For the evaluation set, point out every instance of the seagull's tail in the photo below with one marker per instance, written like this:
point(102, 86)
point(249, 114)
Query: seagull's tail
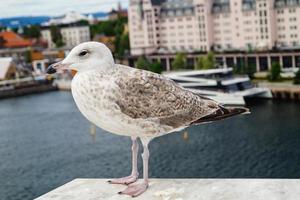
point(222, 113)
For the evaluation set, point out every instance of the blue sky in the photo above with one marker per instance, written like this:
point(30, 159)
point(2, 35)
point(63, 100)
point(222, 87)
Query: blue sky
point(11, 8)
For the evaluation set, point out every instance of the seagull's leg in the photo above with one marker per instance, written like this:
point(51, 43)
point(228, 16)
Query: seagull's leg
point(134, 174)
point(137, 189)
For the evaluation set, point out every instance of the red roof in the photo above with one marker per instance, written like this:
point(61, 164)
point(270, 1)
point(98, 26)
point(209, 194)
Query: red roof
point(13, 40)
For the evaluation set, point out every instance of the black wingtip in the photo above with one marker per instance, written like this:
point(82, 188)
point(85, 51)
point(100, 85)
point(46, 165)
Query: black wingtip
point(222, 113)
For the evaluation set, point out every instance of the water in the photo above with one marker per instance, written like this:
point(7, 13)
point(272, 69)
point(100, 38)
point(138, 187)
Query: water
point(45, 142)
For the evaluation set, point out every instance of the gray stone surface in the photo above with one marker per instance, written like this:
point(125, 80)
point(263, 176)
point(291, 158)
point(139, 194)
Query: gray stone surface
point(181, 189)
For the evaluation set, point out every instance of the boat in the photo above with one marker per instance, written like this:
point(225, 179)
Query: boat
point(220, 85)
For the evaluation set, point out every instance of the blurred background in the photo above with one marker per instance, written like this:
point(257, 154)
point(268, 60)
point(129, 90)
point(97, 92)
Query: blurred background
point(237, 52)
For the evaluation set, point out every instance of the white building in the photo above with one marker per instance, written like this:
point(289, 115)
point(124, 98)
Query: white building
point(8, 68)
point(71, 35)
point(158, 26)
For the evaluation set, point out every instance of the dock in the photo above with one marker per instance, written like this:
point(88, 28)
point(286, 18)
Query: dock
point(182, 189)
point(286, 91)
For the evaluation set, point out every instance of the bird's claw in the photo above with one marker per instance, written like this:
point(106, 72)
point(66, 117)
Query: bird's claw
point(135, 190)
point(125, 180)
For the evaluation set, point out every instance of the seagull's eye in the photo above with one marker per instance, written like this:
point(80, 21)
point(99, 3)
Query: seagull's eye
point(83, 53)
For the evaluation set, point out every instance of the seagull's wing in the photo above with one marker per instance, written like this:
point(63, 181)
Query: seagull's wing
point(152, 96)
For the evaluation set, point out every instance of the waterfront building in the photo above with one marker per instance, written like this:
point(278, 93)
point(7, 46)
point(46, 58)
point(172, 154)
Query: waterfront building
point(289, 60)
point(72, 35)
point(42, 59)
point(160, 28)
point(8, 68)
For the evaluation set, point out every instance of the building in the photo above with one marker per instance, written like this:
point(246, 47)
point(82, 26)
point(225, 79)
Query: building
point(72, 35)
point(41, 59)
point(8, 68)
point(9, 39)
point(166, 26)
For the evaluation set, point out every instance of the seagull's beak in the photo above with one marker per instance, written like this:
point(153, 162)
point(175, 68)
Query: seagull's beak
point(56, 67)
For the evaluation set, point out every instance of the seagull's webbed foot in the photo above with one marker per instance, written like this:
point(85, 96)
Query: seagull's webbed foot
point(135, 190)
point(125, 180)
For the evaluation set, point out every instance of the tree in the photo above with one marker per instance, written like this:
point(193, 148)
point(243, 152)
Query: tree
point(179, 62)
point(32, 31)
point(244, 68)
point(297, 77)
point(200, 62)
point(142, 63)
point(206, 62)
point(83, 22)
point(210, 61)
point(274, 73)
point(107, 28)
point(114, 28)
point(122, 40)
point(123, 45)
point(155, 67)
point(56, 36)
point(28, 56)
point(250, 70)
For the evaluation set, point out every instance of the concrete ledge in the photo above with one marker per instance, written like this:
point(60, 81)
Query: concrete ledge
point(182, 189)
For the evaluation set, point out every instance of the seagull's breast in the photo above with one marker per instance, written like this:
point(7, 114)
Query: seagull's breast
point(95, 95)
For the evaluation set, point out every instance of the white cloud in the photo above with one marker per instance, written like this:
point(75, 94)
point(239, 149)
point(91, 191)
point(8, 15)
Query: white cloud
point(11, 8)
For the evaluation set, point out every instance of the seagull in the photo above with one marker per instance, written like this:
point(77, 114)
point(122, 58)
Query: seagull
point(132, 102)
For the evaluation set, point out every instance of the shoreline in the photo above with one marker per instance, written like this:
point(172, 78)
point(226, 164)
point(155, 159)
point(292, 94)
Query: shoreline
point(27, 90)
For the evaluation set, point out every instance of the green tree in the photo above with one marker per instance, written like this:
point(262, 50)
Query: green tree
point(250, 70)
point(179, 62)
point(114, 28)
point(107, 28)
point(103, 27)
point(123, 45)
point(206, 62)
point(155, 67)
point(236, 69)
point(274, 73)
point(297, 77)
point(56, 36)
point(83, 22)
point(142, 63)
point(200, 62)
point(28, 56)
point(210, 61)
point(121, 39)
point(32, 31)
point(145, 64)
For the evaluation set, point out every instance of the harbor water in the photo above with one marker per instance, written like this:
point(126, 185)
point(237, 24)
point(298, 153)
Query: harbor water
point(45, 142)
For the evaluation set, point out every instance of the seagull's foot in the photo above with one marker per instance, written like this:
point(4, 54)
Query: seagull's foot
point(125, 180)
point(135, 190)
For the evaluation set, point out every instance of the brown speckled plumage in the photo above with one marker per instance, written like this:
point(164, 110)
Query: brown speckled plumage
point(146, 95)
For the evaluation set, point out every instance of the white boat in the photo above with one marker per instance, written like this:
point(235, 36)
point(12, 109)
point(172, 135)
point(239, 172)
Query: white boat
point(220, 85)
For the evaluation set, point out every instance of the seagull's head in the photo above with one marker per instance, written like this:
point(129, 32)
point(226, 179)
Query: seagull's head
point(85, 56)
